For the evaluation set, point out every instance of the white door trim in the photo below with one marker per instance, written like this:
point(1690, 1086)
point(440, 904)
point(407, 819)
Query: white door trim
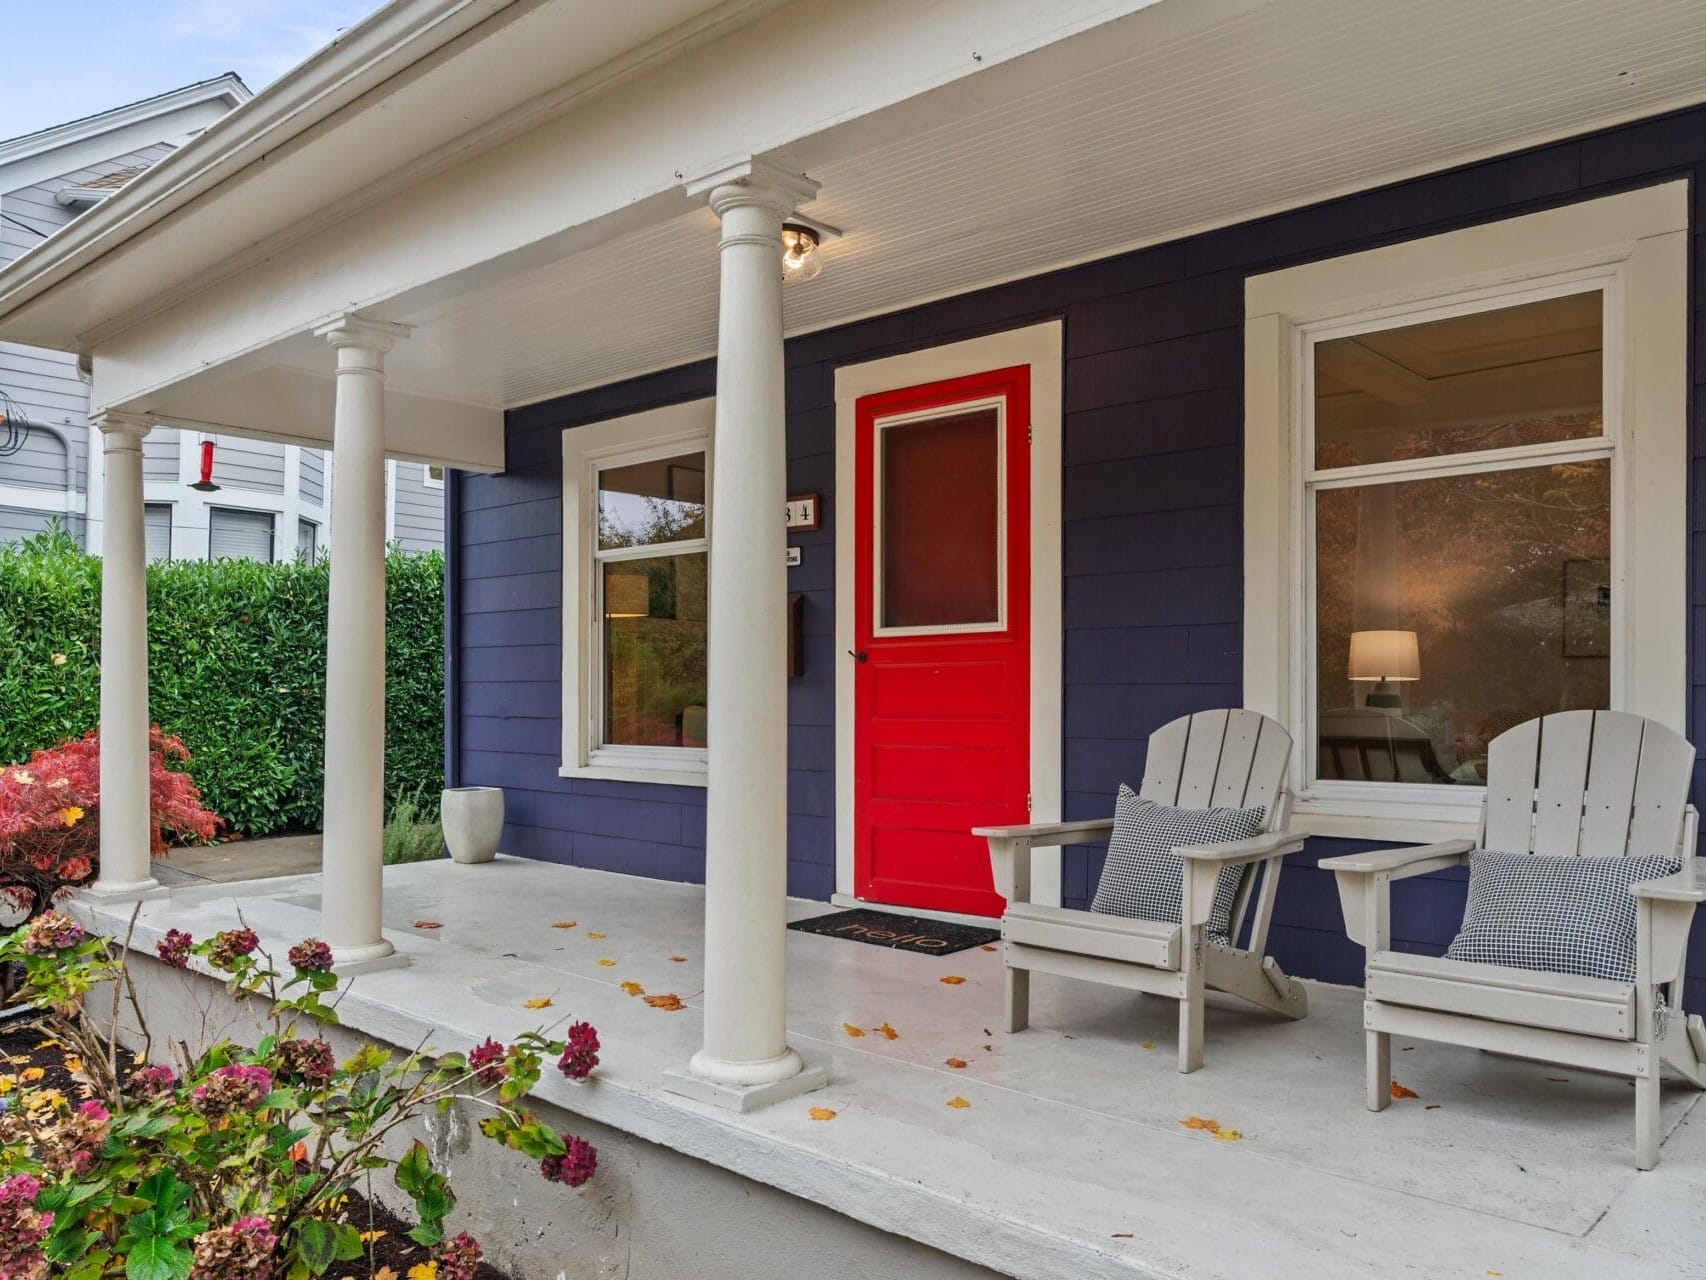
point(1040, 347)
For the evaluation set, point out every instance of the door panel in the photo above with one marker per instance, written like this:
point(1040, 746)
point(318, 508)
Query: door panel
point(942, 624)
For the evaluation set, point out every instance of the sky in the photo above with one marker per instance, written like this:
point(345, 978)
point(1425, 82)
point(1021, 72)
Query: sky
point(68, 58)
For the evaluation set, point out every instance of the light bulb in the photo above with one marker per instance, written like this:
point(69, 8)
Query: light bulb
point(801, 259)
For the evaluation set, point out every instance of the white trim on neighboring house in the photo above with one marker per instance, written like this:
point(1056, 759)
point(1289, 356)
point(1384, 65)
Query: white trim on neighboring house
point(584, 448)
point(1040, 347)
point(390, 501)
point(1633, 246)
point(430, 481)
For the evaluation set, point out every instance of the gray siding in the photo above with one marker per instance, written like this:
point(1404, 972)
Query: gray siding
point(420, 510)
point(16, 523)
point(33, 214)
point(313, 476)
point(256, 465)
point(48, 392)
point(160, 455)
point(44, 462)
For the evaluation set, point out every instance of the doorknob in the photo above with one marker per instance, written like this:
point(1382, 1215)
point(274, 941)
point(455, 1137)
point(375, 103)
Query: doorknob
point(859, 656)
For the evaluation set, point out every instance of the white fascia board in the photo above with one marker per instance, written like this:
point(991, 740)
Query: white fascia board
point(614, 166)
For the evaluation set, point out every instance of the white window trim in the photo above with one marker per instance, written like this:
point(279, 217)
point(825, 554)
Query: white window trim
point(1638, 243)
point(656, 432)
point(1040, 347)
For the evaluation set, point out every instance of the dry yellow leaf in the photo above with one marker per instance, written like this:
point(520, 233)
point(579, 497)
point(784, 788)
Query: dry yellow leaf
point(428, 924)
point(987, 947)
point(8, 1083)
point(886, 1030)
point(595, 935)
point(1149, 1044)
point(852, 1030)
point(950, 981)
point(1200, 1122)
point(384, 1273)
point(822, 1113)
point(1227, 1135)
point(563, 924)
point(678, 959)
point(670, 1002)
point(73, 1063)
point(606, 963)
point(1399, 1091)
point(958, 1104)
point(633, 988)
point(368, 1237)
point(29, 1075)
point(424, 1271)
point(958, 1064)
point(538, 1002)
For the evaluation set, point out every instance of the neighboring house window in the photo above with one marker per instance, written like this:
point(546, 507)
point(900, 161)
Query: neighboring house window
point(307, 540)
point(1459, 532)
point(239, 535)
point(636, 561)
point(432, 476)
point(157, 530)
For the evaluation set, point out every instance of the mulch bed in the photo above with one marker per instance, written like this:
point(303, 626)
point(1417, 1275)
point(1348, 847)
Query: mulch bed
point(24, 1046)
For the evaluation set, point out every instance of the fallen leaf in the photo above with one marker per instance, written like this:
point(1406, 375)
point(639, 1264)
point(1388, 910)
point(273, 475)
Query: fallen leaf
point(1432, 1106)
point(1227, 1135)
point(852, 1030)
point(606, 963)
point(670, 1002)
point(1148, 1044)
point(678, 959)
point(958, 1064)
point(886, 1030)
point(1399, 1091)
point(424, 1271)
point(384, 1273)
point(1495, 1274)
point(950, 981)
point(563, 924)
point(299, 1151)
point(73, 1063)
point(1121, 1235)
point(987, 947)
point(989, 1048)
point(633, 988)
point(596, 935)
point(428, 924)
point(1200, 1122)
point(958, 1104)
point(821, 1113)
point(8, 1083)
point(1555, 1080)
point(368, 1237)
point(29, 1075)
point(538, 1002)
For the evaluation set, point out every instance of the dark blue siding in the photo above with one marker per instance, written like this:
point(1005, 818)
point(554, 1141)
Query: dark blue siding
point(1152, 533)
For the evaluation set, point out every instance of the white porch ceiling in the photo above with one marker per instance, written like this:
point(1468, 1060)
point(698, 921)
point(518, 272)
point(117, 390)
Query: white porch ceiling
point(1185, 116)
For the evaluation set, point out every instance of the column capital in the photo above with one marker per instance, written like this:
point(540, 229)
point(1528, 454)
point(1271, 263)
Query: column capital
point(378, 336)
point(121, 430)
point(754, 181)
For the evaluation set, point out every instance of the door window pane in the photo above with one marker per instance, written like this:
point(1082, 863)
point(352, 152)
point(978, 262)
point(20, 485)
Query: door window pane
point(1520, 375)
point(941, 521)
point(645, 503)
point(1478, 601)
point(654, 651)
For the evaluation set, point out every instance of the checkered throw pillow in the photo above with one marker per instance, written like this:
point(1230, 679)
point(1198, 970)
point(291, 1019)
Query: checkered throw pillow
point(1144, 879)
point(1560, 915)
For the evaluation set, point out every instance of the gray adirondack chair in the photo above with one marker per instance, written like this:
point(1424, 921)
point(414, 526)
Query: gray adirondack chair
point(1233, 759)
point(1578, 783)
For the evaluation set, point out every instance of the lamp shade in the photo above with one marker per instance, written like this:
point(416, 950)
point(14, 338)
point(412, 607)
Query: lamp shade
point(1385, 655)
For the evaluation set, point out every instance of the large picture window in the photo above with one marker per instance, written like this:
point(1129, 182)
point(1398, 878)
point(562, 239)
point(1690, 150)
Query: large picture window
point(636, 567)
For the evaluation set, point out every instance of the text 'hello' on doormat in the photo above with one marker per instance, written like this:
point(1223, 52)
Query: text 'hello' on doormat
point(901, 933)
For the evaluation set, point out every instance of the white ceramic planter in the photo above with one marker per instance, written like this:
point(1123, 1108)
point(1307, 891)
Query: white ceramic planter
point(473, 820)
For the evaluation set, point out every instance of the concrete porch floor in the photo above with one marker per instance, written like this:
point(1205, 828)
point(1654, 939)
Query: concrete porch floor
point(1070, 1160)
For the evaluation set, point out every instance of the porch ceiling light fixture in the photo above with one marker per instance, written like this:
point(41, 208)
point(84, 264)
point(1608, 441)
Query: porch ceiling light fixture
point(1387, 658)
point(801, 256)
point(205, 484)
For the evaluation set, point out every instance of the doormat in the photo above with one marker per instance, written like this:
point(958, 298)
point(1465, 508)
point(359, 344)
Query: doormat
point(900, 933)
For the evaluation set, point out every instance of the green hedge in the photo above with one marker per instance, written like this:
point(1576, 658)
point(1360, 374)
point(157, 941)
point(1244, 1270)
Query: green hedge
point(236, 667)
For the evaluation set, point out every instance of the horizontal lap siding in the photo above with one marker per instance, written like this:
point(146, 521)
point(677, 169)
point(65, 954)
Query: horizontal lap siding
point(1152, 529)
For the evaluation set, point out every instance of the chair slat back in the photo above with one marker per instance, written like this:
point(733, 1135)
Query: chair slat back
point(1235, 759)
point(1588, 783)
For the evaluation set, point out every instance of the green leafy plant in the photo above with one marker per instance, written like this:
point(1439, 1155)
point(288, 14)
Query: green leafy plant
point(237, 1162)
point(236, 669)
point(410, 837)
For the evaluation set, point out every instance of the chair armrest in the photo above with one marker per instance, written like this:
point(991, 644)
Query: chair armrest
point(1049, 834)
point(1415, 860)
point(1233, 852)
point(1684, 886)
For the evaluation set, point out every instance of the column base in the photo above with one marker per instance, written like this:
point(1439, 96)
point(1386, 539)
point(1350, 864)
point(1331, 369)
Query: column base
point(104, 892)
point(697, 1082)
point(371, 957)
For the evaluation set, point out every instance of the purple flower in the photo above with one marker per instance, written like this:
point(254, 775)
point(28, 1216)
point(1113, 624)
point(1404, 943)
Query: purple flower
point(311, 956)
point(237, 1252)
point(174, 948)
point(486, 1061)
point(231, 946)
point(153, 1082)
point(577, 1163)
point(459, 1258)
point(22, 1229)
point(51, 932)
point(308, 1062)
point(232, 1089)
point(580, 1052)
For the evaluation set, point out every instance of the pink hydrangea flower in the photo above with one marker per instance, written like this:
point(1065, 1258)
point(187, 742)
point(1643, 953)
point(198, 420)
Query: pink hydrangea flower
point(174, 948)
point(459, 1258)
point(153, 1082)
point(50, 932)
point(575, 1166)
point(308, 1062)
point(580, 1052)
point(231, 946)
point(311, 956)
point(237, 1252)
point(232, 1089)
point(486, 1061)
point(23, 1227)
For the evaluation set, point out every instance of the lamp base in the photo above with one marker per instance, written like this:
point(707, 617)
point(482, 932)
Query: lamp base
point(1384, 694)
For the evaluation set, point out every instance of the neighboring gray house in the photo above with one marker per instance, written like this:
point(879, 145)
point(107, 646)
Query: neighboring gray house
point(273, 500)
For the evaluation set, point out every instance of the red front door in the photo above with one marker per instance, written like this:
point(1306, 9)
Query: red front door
point(941, 636)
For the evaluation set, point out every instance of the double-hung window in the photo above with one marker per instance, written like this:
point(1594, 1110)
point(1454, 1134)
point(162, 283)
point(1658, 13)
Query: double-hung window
point(637, 562)
point(1466, 503)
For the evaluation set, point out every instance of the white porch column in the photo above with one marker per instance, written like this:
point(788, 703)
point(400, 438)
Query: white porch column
point(125, 813)
point(746, 1061)
point(351, 864)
